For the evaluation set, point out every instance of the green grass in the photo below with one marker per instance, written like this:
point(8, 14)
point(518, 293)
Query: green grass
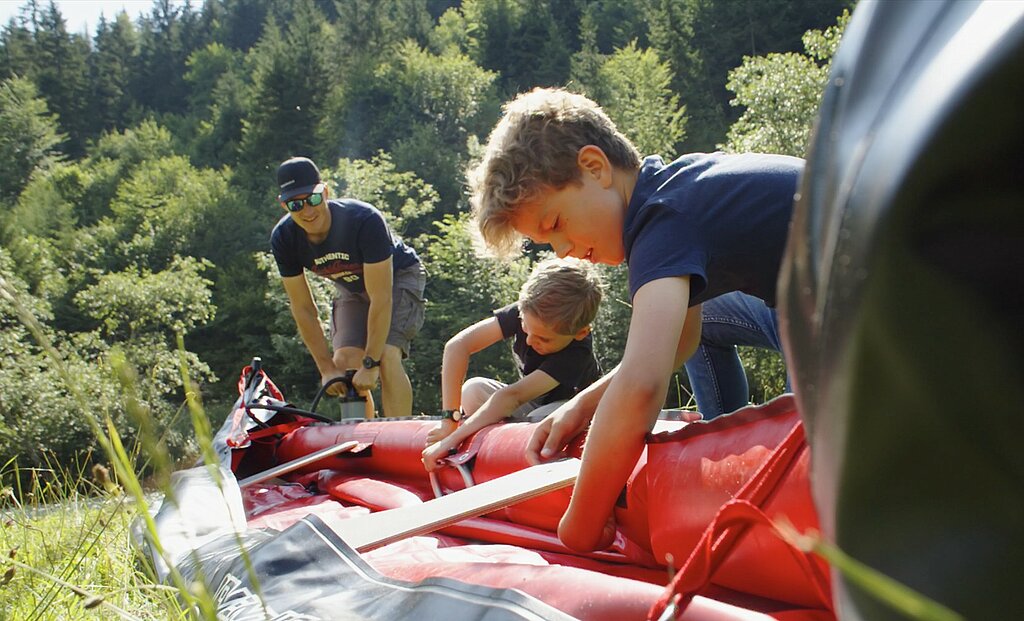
point(64, 558)
point(67, 555)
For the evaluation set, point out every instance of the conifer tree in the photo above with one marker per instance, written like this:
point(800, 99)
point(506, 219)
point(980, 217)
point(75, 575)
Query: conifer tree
point(111, 71)
point(61, 75)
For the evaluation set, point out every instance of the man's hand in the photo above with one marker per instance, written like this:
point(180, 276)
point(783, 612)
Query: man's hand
point(336, 389)
point(443, 429)
point(553, 433)
point(365, 380)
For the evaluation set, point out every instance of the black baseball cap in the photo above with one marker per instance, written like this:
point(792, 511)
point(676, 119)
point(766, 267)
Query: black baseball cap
point(298, 176)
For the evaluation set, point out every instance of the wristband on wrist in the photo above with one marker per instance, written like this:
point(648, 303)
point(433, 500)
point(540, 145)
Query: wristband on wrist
point(452, 415)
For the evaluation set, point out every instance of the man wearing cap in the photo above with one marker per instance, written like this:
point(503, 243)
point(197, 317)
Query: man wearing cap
point(378, 305)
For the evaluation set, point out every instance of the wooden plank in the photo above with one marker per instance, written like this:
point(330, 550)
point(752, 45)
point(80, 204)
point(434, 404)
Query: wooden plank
point(295, 464)
point(367, 532)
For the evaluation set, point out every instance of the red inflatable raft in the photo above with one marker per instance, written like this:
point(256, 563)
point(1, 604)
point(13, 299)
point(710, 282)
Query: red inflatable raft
point(695, 536)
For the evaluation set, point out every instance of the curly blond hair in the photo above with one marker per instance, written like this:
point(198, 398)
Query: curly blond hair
point(535, 146)
point(563, 293)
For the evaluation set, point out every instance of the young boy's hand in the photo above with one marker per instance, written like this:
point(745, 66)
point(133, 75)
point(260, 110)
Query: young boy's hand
point(433, 454)
point(553, 433)
point(571, 526)
point(441, 431)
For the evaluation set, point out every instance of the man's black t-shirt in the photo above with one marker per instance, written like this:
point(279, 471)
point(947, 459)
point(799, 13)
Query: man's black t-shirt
point(358, 235)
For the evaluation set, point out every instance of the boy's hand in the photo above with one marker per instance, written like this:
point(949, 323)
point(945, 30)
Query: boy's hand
point(433, 454)
point(572, 529)
point(443, 429)
point(553, 433)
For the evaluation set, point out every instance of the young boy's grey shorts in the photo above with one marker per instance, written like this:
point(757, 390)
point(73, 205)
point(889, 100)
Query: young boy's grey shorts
point(350, 310)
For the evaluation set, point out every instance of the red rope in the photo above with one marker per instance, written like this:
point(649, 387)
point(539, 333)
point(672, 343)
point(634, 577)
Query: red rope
point(734, 520)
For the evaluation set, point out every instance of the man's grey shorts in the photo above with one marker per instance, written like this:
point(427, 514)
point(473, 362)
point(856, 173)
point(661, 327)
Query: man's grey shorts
point(350, 310)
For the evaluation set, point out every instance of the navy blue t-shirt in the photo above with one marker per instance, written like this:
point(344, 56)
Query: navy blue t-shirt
point(720, 219)
point(358, 235)
point(574, 368)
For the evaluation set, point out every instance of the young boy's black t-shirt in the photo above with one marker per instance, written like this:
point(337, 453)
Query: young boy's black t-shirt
point(574, 368)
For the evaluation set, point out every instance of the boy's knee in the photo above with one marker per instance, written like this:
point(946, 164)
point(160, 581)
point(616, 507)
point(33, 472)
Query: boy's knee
point(475, 391)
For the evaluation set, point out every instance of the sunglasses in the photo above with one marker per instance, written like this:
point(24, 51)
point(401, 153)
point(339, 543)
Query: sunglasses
point(300, 203)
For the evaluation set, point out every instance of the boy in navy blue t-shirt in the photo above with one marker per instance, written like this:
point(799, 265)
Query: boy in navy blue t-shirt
point(379, 282)
point(706, 226)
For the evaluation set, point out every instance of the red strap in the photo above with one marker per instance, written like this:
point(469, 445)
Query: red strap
point(283, 428)
point(731, 523)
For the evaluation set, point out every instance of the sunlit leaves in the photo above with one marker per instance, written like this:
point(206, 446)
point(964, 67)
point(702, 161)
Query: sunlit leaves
point(28, 135)
point(640, 99)
point(781, 93)
point(133, 302)
point(402, 196)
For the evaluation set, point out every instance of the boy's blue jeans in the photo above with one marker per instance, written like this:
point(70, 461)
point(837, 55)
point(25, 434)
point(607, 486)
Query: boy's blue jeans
point(716, 374)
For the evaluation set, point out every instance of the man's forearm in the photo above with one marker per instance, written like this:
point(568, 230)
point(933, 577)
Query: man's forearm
point(378, 323)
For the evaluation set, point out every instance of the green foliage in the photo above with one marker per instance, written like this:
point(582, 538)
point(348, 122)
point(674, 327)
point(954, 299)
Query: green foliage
point(403, 197)
point(135, 302)
point(61, 73)
point(29, 138)
point(421, 108)
point(704, 39)
point(525, 42)
point(780, 93)
point(166, 38)
point(373, 28)
point(290, 81)
point(640, 101)
point(217, 104)
point(451, 34)
point(175, 122)
point(111, 73)
point(166, 207)
point(41, 417)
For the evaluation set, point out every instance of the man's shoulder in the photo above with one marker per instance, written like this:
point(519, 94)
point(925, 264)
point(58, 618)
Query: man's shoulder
point(352, 207)
point(284, 231)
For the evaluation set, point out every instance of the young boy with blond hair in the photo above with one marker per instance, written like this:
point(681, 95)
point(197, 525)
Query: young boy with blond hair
point(557, 171)
point(553, 349)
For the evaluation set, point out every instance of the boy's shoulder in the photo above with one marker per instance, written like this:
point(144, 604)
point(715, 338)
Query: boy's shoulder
point(509, 319)
point(705, 176)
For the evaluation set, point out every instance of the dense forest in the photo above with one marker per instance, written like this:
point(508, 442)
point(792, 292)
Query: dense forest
point(137, 174)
